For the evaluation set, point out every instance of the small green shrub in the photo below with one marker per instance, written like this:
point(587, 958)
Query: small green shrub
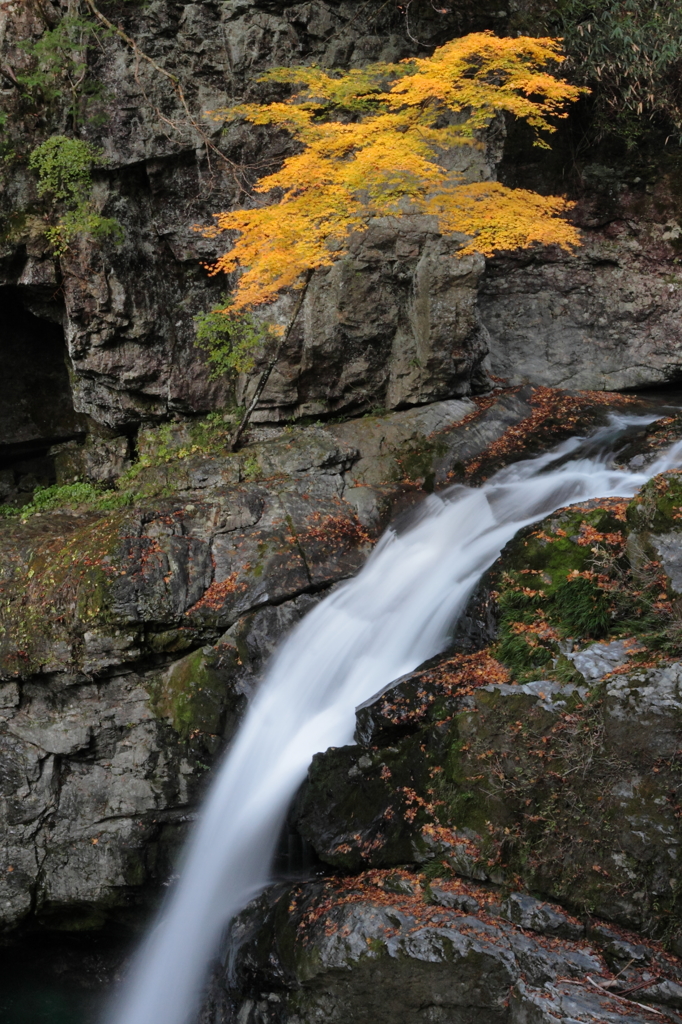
point(64, 167)
point(77, 495)
point(630, 53)
point(230, 339)
point(251, 467)
point(59, 76)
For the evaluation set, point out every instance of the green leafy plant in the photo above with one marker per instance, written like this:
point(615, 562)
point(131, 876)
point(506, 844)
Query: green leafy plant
point(630, 53)
point(230, 338)
point(77, 495)
point(251, 468)
point(64, 168)
point(59, 75)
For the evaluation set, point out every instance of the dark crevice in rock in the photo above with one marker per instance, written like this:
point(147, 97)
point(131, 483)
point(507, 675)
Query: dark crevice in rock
point(36, 404)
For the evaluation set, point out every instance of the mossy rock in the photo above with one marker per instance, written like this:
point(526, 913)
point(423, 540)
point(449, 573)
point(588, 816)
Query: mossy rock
point(362, 809)
point(55, 584)
point(657, 507)
point(586, 573)
point(196, 694)
point(574, 808)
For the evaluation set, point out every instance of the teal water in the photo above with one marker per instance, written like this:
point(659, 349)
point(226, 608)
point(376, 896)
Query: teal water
point(40, 1003)
point(57, 979)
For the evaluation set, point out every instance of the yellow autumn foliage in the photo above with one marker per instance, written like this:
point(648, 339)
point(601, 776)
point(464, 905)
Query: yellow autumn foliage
point(374, 142)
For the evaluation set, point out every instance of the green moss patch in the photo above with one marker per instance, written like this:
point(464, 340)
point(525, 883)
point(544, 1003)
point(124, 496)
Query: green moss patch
point(416, 461)
point(51, 586)
point(572, 579)
point(658, 506)
point(198, 697)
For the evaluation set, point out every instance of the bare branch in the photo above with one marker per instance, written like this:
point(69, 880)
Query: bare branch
point(175, 83)
point(271, 365)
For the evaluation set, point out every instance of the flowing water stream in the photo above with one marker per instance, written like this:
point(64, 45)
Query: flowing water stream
point(397, 612)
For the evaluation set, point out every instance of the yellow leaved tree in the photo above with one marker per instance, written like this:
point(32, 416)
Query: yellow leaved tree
point(374, 142)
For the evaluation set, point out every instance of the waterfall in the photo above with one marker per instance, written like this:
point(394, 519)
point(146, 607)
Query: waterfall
point(397, 612)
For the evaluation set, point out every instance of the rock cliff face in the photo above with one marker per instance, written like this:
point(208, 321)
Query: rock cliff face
point(131, 639)
point(540, 756)
point(393, 325)
point(608, 316)
point(396, 324)
point(545, 763)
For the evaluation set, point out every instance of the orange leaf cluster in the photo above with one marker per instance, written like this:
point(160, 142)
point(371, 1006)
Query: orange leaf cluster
point(336, 531)
point(460, 674)
point(553, 411)
point(589, 536)
point(216, 595)
point(376, 142)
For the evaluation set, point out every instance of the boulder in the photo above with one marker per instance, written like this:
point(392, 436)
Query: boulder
point(548, 757)
point(354, 949)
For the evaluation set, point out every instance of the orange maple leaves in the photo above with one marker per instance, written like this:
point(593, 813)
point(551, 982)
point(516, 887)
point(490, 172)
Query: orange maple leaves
point(376, 142)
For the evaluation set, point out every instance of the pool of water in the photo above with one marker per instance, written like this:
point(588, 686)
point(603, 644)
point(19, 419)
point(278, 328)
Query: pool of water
point(39, 1003)
point(58, 979)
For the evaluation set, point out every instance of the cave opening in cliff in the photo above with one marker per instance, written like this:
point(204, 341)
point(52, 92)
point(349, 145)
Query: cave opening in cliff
point(36, 404)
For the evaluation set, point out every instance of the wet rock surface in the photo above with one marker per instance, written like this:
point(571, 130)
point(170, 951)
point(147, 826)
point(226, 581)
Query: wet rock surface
point(107, 724)
point(545, 763)
point(132, 639)
point(393, 945)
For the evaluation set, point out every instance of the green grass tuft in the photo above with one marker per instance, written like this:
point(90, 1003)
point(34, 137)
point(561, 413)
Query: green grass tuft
point(85, 496)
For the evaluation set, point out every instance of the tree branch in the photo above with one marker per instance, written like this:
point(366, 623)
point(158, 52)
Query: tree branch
point(173, 79)
point(9, 76)
point(129, 41)
point(271, 365)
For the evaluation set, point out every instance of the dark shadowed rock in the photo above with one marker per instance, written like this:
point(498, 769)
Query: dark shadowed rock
point(353, 950)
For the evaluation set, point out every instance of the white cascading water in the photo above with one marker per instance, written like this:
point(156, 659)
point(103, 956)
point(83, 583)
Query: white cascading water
point(396, 613)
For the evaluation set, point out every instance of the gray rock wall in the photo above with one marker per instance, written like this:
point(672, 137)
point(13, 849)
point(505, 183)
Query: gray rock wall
point(393, 325)
point(607, 318)
point(130, 642)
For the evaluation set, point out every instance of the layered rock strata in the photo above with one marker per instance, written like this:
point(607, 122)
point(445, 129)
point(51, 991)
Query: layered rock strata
point(387, 945)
